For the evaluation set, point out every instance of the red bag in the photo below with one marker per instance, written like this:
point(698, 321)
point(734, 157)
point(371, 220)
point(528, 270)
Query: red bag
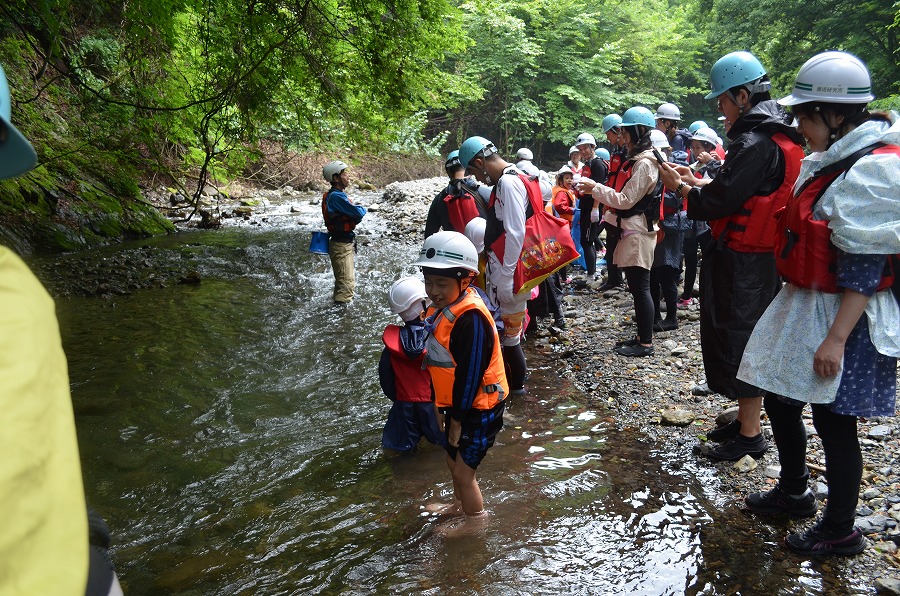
point(548, 244)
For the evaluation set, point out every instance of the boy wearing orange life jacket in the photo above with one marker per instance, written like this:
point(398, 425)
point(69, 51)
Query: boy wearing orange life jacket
point(464, 360)
point(401, 374)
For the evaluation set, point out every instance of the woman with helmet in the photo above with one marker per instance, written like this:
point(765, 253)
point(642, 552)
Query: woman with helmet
point(341, 217)
point(738, 278)
point(464, 361)
point(634, 203)
point(503, 239)
point(830, 337)
point(612, 128)
point(401, 373)
point(458, 203)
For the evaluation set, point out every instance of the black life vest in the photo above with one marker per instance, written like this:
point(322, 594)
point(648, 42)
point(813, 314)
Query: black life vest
point(648, 206)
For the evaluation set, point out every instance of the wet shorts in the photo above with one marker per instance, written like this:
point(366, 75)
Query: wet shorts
point(478, 432)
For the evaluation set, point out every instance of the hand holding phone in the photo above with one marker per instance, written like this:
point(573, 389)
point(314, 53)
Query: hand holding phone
point(658, 156)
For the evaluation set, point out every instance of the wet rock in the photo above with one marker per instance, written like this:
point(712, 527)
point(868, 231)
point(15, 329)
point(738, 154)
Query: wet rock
point(745, 464)
point(243, 211)
point(192, 278)
point(677, 417)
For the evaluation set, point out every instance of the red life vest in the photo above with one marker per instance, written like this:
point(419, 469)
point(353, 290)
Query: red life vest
point(412, 381)
point(495, 235)
point(648, 205)
point(336, 222)
point(804, 253)
point(461, 209)
point(752, 227)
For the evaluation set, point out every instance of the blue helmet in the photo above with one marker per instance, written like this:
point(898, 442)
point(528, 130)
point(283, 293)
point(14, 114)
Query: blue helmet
point(610, 122)
point(17, 156)
point(697, 125)
point(452, 160)
point(602, 153)
point(472, 147)
point(638, 115)
point(734, 69)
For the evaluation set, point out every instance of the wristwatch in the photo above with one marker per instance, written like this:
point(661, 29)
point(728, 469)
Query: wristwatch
point(680, 186)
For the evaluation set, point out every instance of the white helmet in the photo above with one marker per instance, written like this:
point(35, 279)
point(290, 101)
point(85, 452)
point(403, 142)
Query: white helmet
point(659, 139)
point(585, 138)
point(405, 297)
point(574, 149)
point(831, 77)
point(707, 135)
point(333, 167)
point(524, 153)
point(667, 111)
point(475, 232)
point(448, 250)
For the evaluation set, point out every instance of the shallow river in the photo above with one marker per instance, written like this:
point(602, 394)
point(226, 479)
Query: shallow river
point(230, 434)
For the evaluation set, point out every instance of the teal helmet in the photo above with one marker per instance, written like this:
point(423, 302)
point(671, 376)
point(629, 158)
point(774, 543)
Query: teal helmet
point(697, 125)
point(602, 154)
point(472, 147)
point(638, 116)
point(734, 69)
point(452, 161)
point(610, 122)
point(17, 156)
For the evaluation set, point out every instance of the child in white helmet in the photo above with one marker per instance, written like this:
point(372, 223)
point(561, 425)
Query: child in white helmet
point(401, 374)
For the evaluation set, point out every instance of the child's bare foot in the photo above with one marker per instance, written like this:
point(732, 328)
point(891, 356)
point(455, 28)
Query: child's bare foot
point(443, 508)
point(465, 525)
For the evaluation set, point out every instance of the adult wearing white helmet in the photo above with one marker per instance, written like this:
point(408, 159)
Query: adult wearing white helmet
point(829, 337)
point(738, 280)
point(667, 118)
point(45, 546)
point(525, 162)
point(597, 170)
point(504, 238)
point(457, 203)
point(341, 217)
point(574, 162)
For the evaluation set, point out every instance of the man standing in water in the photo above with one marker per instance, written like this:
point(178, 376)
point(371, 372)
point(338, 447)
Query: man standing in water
point(341, 218)
point(505, 232)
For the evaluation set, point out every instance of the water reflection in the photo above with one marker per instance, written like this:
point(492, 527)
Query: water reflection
point(230, 433)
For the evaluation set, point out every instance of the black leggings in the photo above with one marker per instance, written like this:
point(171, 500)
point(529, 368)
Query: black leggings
point(589, 233)
point(843, 459)
point(664, 279)
point(639, 286)
point(613, 233)
point(690, 260)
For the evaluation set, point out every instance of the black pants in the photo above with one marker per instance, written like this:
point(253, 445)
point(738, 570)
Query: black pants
point(843, 459)
point(690, 260)
point(664, 280)
point(639, 286)
point(612, 240)
point(589, 234)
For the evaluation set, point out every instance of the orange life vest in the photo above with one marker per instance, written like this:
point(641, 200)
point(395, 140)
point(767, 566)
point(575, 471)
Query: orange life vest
point(493, 387)
point(752, 227)
point(804, 254)
point(561, 195)
point(413, 383)
point(336, 222)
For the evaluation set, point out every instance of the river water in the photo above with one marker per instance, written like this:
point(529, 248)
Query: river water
point(230, 434)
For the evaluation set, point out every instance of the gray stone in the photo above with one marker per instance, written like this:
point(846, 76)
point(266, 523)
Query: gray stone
point(871, 494)
point(679, 351)
point(669, 345)
point(880, 432)
point(887, 585)
point(726, 416)
point(773, 471)
point(745, 464)
point(820, 490)
point(677, 417)
point(873, 524)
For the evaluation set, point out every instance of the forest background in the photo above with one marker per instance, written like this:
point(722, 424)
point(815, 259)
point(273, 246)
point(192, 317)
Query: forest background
point(122, 96)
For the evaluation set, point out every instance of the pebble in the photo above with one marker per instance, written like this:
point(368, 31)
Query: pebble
point(677, 417)
point(745, 464)
point(880, 432)
point(773, 471)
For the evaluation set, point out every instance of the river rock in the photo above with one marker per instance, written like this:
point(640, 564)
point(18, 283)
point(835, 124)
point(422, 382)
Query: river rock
point(745, 464)
point(726, 416)
point(677, 417)
point(880, 432)
point(872, 524)
point(887, 585)
point(773, 471)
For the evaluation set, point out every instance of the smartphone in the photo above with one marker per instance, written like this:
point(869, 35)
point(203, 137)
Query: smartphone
point(658, 156)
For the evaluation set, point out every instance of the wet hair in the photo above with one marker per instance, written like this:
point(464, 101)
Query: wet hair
point(854, 114)
point(640, 135)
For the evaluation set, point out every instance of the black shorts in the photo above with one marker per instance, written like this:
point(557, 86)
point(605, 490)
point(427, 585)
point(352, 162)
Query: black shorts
point(479, 430)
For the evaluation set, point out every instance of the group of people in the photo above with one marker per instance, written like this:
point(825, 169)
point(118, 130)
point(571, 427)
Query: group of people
point(799, 257)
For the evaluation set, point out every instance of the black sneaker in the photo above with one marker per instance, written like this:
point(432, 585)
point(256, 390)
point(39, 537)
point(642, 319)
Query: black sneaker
point(559, 323)
point(737, 448)
point(627, 342)
point(634, 350)
point(665, 325)
point(720, 434)
point(819, 541)
point(775, 501)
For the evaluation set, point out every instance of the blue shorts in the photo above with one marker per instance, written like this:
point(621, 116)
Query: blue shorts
point(479, 430)
point(407, 422)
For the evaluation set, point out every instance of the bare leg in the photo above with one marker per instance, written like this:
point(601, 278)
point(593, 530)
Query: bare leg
point(748, 414)
point(465, 486)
